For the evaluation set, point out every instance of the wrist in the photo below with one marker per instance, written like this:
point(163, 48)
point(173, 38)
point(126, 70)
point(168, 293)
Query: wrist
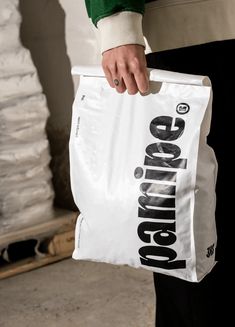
point(120, 29)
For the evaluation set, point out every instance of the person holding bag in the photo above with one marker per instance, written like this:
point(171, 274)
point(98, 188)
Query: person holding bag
point(194, 37)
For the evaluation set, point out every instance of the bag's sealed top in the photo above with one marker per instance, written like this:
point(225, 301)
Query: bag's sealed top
point(156, 75)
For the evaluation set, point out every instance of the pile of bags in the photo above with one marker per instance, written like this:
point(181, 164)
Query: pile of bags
point(26, 193)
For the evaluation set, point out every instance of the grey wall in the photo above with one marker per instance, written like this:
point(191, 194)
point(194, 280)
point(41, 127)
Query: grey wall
point(59, 35)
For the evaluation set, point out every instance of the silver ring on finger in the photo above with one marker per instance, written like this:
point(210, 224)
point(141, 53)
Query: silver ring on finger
point(116, 82)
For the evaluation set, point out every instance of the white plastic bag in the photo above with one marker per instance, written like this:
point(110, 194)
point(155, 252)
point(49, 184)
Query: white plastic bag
point(143, 175)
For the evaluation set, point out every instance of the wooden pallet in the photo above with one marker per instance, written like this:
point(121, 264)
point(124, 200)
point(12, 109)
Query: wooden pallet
point(56, 236)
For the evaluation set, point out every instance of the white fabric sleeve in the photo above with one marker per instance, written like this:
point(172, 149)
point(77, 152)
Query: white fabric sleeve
point(122, 28)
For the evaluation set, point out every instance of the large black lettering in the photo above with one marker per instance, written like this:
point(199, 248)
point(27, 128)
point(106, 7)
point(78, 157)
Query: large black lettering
point(161, 175)
point(156, 213)
point(158, 188)
point(156, 201)
point(164, 237)
point(163, 154)
point(164, 232)
point(148, 252)
point(161, 128)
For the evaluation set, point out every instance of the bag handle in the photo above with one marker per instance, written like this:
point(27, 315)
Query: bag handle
point(155, 75)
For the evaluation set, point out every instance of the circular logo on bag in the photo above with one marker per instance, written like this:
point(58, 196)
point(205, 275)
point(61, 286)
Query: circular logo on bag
point(182, 108)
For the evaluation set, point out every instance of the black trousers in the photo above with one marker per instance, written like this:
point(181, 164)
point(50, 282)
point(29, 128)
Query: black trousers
point(186, 304)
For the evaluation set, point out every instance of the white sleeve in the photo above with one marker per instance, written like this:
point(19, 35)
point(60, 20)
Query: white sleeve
point(122, 28)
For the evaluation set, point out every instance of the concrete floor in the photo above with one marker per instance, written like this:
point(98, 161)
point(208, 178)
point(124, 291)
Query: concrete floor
point(78, 294)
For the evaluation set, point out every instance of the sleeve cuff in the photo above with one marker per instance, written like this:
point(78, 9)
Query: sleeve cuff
point(120, 29)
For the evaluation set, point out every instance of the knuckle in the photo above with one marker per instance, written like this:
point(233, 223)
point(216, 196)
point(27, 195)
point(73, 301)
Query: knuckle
point(112, 67)
point(122, 66)
point(104, 65)
point(135, 65)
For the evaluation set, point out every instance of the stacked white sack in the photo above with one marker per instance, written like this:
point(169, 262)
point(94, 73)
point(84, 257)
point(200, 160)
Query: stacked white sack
point(26, 194)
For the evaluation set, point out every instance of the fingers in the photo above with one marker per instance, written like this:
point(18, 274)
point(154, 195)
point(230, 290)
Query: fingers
point(108, 76)
point(112, 74)
point(127, 65)
point(141, 75)
point(142, 81)
point(130, 83)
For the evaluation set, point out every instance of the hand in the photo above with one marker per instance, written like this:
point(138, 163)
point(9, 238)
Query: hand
point(125, 68)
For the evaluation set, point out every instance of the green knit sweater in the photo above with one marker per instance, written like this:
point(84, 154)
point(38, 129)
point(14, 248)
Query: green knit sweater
point(98, 9)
